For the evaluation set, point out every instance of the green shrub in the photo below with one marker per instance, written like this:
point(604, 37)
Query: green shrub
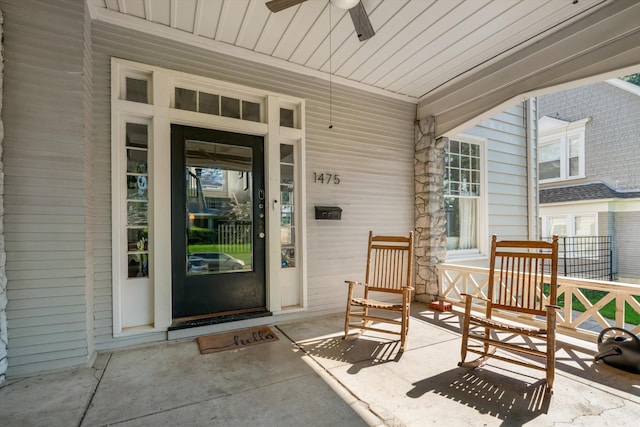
point(202, 235)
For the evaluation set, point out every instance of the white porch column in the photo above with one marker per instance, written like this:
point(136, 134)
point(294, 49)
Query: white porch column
point(430, 238)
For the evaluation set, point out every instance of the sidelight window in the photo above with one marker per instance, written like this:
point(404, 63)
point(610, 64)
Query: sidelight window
point(287, 207)
point(137, 200)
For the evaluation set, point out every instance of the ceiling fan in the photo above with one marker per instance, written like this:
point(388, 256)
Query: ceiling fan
point(361, 22)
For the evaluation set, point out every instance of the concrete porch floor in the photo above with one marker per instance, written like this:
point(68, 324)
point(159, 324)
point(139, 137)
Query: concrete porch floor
point(311, 377)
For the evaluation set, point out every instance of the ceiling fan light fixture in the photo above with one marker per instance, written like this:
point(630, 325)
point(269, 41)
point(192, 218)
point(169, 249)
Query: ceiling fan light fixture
point(344, 4)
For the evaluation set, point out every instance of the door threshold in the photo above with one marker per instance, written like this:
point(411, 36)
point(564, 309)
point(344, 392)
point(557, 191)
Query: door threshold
point(197, 321)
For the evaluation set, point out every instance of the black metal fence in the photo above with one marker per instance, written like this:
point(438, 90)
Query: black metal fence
point(586, 257)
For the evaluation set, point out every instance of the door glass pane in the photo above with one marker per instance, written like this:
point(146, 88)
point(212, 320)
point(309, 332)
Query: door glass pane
point(219, 208)
point(137, 187)
point(137, 213)
point(136, 160)
point(137, 135)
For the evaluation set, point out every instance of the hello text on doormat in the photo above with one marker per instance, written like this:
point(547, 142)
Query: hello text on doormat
point(236, 339)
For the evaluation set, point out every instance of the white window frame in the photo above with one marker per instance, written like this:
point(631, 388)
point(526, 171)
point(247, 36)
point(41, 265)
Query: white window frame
point(552, 130)
point(481, 200)
point(570, 221)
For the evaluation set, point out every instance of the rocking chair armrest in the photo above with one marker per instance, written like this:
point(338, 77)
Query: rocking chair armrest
point(408, 288)
point(556, 307)
point(352, 282)
point(476, 297)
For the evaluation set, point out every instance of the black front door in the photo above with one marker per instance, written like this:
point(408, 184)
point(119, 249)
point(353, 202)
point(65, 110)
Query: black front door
point(218, 224)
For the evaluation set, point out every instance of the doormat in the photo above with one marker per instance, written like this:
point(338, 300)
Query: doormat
point(235, 339)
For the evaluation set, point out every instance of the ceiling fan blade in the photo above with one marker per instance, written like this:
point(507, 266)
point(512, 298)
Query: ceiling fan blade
point(278, 5)
point(361, 22)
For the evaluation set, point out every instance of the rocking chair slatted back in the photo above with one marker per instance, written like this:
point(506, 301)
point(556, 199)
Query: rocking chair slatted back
point(519, 282)
point(389, 266)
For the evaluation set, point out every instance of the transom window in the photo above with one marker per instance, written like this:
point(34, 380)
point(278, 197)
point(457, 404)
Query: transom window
point(218, 105)
point(462, 190)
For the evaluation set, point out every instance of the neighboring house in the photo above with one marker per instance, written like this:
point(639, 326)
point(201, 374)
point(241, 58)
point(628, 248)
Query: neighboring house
point(135, 151)
point(589, 174)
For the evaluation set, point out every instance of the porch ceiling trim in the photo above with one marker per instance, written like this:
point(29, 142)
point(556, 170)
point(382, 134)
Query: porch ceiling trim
point(595, 44)
point(147, 27)
point(599, 46)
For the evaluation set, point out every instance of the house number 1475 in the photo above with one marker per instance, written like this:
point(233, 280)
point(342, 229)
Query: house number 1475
point(326, 178)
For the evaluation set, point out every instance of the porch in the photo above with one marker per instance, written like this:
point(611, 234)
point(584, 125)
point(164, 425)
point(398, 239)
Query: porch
point(310, 376)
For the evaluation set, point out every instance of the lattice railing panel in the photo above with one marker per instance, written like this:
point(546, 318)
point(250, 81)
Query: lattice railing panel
point(588, 305)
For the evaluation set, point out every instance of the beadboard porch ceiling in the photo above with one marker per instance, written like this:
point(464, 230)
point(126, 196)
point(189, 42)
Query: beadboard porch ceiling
point(455, 59)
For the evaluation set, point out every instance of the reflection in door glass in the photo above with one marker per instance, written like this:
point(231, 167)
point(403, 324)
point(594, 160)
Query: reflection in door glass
point(137, 147)
point(287, 207)
point(219, 208)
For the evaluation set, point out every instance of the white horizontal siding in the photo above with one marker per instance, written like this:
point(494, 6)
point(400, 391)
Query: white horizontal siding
point(627, 242)
point(45, 198)
point(507, 160)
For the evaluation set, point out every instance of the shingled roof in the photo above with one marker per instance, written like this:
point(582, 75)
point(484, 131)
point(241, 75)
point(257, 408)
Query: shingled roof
point(594, 191)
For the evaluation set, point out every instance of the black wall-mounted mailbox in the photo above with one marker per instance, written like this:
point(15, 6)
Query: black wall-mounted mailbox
point(328, 212)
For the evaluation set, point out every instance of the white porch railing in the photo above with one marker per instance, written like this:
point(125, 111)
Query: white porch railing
point(235, 237)
point(453, 280)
